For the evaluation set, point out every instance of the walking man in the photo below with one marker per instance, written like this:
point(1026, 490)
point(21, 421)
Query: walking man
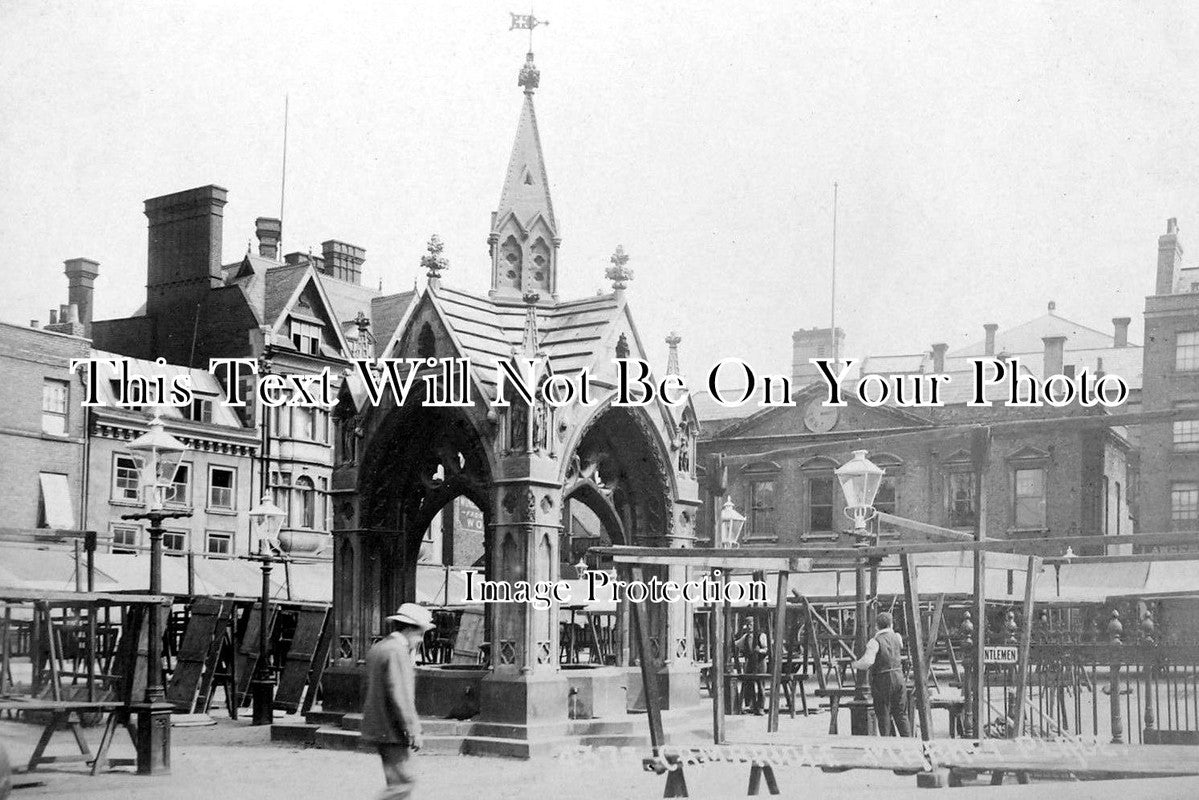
point(887, 684)
point(389, 717)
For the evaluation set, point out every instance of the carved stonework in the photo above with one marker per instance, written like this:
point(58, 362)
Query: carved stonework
point(619, 273)
point(507, 652)
point(543, 652)
point(680, 648)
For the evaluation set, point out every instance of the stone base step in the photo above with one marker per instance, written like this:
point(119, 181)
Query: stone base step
point(331, 738)
point(324, 717)
point(302, 733)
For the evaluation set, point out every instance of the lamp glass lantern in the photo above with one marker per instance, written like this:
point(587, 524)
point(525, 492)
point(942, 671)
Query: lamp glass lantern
point(731, 523)
point(860, 479)
point(158, 454)
point(267, 519)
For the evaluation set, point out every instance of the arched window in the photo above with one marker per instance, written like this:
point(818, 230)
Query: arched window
point(426, 344)
point(305, 506)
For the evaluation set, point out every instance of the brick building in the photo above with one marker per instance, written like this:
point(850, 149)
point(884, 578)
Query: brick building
point(1170, 451)
point(42, 430)
point(1041, 481)
point(299, 314)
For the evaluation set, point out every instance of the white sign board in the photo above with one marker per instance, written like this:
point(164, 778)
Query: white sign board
point(1001, 655)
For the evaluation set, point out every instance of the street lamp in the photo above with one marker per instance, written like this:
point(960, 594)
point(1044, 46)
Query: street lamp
point(731, 523)
point(860, 479)
point(157, 454)
point(267, 519)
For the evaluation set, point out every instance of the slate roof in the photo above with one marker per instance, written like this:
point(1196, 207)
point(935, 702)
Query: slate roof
point(386, 313)
point(485, 330)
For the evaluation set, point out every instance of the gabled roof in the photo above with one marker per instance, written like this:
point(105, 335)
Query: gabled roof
point(386, 314)
point(526, 191)
point(284, 285)
point(486, 330)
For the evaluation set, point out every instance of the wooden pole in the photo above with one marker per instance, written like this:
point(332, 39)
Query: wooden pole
point(779, 646)
point(1030, 582)
point(916, 643)
point(980, 446)
point(649, 676)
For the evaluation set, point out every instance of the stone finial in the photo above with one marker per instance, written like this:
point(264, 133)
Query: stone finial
point(434, 262)
point(1052, 306)
point(619, 273)
point(672, 358)
point(1115, 628)
point(530, 76)
point(529, 340)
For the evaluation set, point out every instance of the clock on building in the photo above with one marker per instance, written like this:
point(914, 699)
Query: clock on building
point(819, 418)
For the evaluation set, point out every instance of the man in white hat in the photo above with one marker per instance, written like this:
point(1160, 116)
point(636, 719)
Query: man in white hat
point(389, 717)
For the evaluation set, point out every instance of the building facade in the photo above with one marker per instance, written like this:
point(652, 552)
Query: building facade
point(1169, 496)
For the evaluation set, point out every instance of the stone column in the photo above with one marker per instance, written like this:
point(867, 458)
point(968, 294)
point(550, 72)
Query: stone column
point(526, 684)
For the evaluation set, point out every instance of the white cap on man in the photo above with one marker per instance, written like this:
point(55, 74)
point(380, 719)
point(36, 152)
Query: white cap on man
point(414, 614)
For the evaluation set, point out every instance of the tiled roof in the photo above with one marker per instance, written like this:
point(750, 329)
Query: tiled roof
point(386, 313)
point(486, 330)
point(281, 282)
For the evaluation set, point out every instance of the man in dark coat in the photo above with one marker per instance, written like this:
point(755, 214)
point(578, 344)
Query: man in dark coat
point(888, 689)
point(389, 717)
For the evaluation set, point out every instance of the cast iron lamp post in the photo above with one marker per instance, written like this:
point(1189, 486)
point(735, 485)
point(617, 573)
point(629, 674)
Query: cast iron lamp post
point(267, 519)
point(158, 455)
point(860, 479)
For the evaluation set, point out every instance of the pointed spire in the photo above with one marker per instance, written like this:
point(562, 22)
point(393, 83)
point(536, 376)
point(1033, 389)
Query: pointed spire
point(672, 358)
point(434, 262)
point(619, 273)
point(524, 232)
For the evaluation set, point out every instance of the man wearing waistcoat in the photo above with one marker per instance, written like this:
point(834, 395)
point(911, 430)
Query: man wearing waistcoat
point(883, 657)
point(389, 717)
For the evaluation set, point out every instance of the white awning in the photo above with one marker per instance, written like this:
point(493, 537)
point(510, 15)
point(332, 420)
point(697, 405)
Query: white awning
point(57, 511)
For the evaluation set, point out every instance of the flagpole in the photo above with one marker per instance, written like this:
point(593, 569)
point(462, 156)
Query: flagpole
point(833, 294)
point(282, 181)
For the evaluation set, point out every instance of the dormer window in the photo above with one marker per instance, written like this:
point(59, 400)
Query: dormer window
point(306, 337)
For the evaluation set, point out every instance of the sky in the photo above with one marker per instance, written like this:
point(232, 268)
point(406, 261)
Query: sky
point(989, 157)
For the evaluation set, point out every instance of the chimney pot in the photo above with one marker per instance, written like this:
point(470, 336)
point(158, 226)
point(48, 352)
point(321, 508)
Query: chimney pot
point(81, 278)
point(53, 316)
point(269, 231)
point(939, 357)
point(35, 323)
point(1120, 325)
point(1055, 352)
point(343, 261)
point(989, 347)
point(1169, 258)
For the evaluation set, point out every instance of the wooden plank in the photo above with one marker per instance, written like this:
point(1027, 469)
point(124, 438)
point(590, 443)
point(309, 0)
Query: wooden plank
point(1030, 583)
point(206, 625)
point(247, 653)
point(923, 527)
point(916, 643)
point(721, 561)
point(310, 624)
point(776, 660)
point(934, 628)
point(649, 672)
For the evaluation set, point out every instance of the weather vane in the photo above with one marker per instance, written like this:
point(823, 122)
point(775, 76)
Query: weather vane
point(526, 22)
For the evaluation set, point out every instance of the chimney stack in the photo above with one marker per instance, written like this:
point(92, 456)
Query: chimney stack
point(809, 343)
point(939, 358)
point(989, 346)
point(1121, 330)
point(81, 277)
point(343, 261)
point(269, 232)
point(1169, 258)
point(184, 255)
point(1055, 353)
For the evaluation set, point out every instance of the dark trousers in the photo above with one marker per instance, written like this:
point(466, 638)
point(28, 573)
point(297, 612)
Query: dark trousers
point(889, 693)
point(395, 771)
